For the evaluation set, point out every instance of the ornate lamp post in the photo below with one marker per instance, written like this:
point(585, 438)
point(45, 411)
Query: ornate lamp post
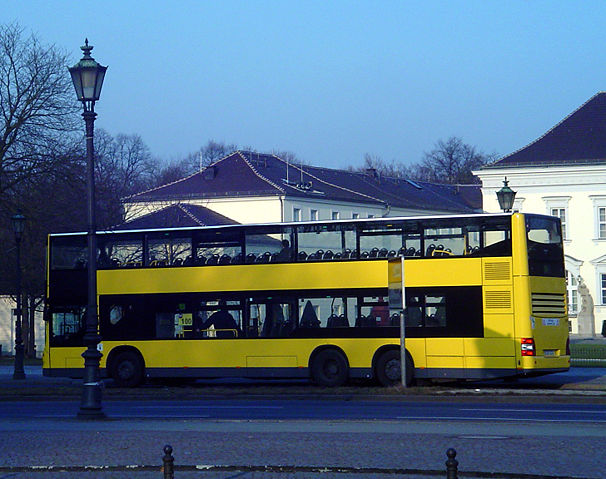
point(18, 222)
point(506, 196)
point(87, 76)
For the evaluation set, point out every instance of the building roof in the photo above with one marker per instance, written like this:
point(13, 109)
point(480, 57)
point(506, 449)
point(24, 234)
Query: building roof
point(175, 216)
point(580, 138)
point(250, 174)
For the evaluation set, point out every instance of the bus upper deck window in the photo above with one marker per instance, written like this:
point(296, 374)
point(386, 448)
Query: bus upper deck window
point(68, 252)
point(120, 252)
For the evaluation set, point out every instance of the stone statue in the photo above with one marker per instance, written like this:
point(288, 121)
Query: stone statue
point(586, 317)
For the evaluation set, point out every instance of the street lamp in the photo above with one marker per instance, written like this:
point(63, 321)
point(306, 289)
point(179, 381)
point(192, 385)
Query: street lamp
point(18, 222)
point(506, 196)
point(87, 76)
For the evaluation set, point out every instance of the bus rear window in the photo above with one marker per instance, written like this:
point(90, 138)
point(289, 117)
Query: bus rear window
point(69, 252)
point(545, 251)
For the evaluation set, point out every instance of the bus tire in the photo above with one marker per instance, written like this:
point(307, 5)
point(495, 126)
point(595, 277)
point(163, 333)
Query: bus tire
point(329, 368)
point(127, 369)
point(388, 369)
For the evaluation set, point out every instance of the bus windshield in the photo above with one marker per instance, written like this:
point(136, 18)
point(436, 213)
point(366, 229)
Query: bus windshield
point(545, 252)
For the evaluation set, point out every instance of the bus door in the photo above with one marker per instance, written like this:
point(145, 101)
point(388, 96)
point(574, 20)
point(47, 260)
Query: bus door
point(272, 318)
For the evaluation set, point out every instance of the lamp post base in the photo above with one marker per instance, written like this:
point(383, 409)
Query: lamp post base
point(90, 407)
point(19, 372)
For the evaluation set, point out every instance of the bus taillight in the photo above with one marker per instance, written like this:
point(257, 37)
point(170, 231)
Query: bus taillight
point(528, 347)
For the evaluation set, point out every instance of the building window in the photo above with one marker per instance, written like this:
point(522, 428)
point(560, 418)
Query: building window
point(603, 287)
point(335, 215)
point(561, 213)
point(599, 216)
point(313, 215)
point(602, 222)
point(558, 206)
point(573, 298)
point(355, 216)
point(296, 214)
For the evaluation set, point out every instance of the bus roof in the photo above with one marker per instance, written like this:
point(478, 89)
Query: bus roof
point(380, 220)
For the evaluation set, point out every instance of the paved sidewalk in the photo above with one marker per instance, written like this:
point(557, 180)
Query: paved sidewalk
point(577, 381)
point(231, 474)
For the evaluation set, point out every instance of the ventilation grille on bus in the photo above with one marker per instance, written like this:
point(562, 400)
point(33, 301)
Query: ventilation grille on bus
point(497, 271)
point(498, 299)
point(548, 303)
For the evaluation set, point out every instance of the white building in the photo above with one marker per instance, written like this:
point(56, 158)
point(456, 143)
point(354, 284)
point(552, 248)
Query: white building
point(251, 187)
point(563, 173)
point(7, 328)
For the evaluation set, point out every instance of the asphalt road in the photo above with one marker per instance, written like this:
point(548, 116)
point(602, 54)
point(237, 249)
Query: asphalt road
point(537, 449)
point(553, 429)
point(320, 410)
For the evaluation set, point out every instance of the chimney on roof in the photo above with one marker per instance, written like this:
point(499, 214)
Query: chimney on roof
point(372, 172)
point(210, 172)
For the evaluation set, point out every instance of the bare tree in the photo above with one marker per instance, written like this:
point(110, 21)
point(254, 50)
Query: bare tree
point(170, 172)
point(37, 105)
point(52, 202)
point(207, 154)
point(289, 157)
point(392, 169)
point(37, 125)
point(450, 161)
point(124, 166)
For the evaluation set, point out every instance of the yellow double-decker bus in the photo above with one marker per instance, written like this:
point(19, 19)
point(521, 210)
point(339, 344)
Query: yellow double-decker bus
point(485, 298)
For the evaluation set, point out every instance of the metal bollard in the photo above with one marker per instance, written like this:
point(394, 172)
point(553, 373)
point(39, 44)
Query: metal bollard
point(168, 463)
point(452, 464)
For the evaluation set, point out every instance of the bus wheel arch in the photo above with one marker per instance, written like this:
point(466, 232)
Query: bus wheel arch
point(329, 366)
point(386, 366)
point(126, 366)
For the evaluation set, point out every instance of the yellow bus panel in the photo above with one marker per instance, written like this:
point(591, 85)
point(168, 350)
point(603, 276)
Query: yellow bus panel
point(498, 326)
point(445, 362)
point(256, 277)
point(444, 346)
point(450, 272)
point(490, 346)
point(490, 362)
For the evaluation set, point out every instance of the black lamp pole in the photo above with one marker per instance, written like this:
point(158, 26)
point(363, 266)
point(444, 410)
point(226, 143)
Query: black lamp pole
point(18, 222)
point(87, 76)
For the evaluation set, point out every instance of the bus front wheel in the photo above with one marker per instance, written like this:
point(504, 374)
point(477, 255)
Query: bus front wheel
point(329, 368)
point(127, 370)
point(388, 368)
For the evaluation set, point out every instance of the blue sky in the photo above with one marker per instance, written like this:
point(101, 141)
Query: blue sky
point(331, 81)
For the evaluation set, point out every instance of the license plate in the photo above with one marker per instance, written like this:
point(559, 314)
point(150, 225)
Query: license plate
point(549, 352)
point(551, 321)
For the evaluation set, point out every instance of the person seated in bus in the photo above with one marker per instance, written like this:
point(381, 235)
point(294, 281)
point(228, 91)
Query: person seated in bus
point(309, 318)
point(285, 253)
point(103, 260)
point(380, 313)
point(222, 321)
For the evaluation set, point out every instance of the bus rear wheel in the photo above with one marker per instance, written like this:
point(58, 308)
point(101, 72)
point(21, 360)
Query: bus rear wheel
point(127, 370)
point(388, 369)
point(329, 368)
